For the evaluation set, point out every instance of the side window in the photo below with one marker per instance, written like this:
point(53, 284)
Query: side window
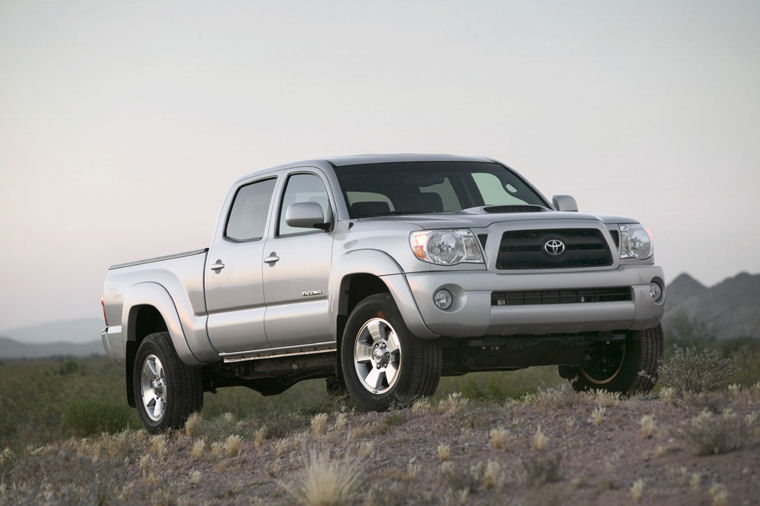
point(493, 192)
point(303, 188)
point(248, 216)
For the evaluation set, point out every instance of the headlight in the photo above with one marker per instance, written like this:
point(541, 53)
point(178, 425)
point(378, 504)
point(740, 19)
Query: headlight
point(635, 242)
point(446, 247)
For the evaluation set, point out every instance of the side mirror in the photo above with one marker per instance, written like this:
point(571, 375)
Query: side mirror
point(564, 203)
point(306, 215)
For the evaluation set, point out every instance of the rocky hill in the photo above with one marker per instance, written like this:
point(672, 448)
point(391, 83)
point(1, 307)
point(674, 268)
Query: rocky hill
point(726, 310)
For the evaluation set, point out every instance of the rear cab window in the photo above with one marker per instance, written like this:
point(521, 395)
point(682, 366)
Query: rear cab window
point(248, 214)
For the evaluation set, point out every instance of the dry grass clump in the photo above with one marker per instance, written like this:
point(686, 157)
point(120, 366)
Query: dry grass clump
point(604, 398)
point(444, 452)
point(498, 437)
point(232, 445)
point(158, 445)
point(259, 436)
point(647, 426)
point(198, 448)
point(597, 416)
point(453, 404)
point(193, 425)
point(366, 448)
point(492, 477)
point(195, 477)
point(636, 489)
point(340, 422)
point(487, 476)
point(280, 447)
point(707, 433)
point(719, 494)
point(561, 396)
point(318, 424)
point(666, 395)
point(539, 440)
point(325, 481)
point(541, 468)
point(693, 370)
point(421, 406)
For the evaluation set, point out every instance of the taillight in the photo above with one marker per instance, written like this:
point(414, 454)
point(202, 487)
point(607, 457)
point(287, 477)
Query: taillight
point(103, 303)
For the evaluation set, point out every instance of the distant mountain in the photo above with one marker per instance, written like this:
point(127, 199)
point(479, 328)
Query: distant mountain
point(10, 348)
point(728, 309)
point(82, 330)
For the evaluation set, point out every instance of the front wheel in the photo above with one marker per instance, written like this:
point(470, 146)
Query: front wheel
point(382, 362)
point(625, 367)
point(166, 390)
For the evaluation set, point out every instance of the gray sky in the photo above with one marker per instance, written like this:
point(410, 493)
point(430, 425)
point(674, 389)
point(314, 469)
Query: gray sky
point(122, 124)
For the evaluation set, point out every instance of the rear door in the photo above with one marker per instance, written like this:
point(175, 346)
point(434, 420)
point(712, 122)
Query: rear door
point(297, 266)
point(233, 277)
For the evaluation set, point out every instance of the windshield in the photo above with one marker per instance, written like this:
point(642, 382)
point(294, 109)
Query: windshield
point(430, 187)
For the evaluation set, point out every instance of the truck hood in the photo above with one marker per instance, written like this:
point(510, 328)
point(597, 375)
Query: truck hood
point(482, 217)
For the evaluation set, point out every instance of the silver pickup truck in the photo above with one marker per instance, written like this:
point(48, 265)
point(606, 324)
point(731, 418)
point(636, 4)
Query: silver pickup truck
point(381, 273)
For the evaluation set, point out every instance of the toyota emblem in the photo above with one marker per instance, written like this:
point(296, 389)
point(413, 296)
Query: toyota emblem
point(554, 247)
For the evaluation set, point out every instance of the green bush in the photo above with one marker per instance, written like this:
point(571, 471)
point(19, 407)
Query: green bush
point(696, 370)
point(89, 417)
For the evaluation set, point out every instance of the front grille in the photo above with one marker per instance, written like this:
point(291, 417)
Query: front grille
point(531, 297)
point(524, 249)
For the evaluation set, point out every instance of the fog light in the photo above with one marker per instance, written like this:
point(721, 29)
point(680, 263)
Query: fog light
point(655, 290)
point(443, 299)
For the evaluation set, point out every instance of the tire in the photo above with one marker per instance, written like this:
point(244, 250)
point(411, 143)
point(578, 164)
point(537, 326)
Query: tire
point(172, 390)
point(383, 364)
point(627, 367)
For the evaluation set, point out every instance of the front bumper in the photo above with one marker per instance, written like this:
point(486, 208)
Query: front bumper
point(473, 315)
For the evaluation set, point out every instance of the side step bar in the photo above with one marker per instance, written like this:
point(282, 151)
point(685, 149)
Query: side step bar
point(286, 351)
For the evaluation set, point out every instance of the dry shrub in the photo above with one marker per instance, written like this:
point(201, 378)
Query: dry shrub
point(707, 433)
point(91, 417)
point(693, 370)
point(325, 481)
point(541, 468)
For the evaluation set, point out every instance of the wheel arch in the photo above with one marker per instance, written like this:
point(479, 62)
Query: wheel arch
point(361, 273)
point(149, 308)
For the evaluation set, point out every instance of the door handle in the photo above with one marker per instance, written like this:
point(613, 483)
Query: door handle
point(272, 258)
point(218, 266)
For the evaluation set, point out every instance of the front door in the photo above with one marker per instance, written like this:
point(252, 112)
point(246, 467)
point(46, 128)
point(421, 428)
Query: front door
point(297, 264)
point(233, 277)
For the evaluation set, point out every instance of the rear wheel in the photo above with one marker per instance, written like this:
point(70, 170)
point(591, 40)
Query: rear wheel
point(626, 367)
point(166, 390)
point(382, 362)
